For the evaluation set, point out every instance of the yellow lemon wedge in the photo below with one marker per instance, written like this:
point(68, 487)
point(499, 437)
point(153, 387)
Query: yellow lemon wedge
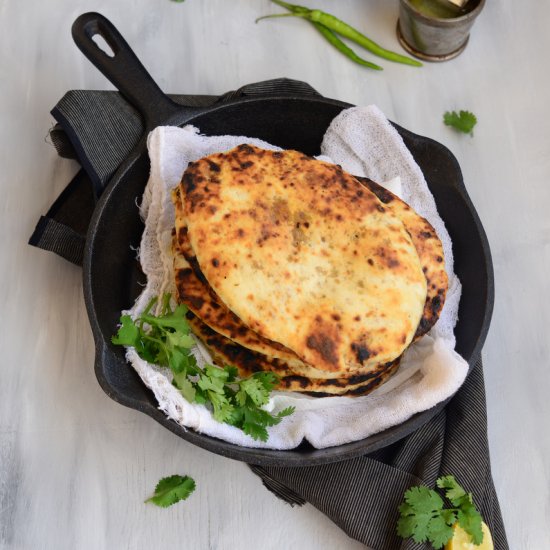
point(462, 541)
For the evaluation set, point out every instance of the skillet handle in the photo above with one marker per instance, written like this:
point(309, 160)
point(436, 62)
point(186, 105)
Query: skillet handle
point(123, 69)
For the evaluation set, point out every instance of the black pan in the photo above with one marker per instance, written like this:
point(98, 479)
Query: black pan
point(112, 276)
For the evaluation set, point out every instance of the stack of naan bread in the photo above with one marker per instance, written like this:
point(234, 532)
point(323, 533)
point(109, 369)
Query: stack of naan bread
point(289, 264)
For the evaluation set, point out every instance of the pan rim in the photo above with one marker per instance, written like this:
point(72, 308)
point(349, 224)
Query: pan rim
point(293, 457)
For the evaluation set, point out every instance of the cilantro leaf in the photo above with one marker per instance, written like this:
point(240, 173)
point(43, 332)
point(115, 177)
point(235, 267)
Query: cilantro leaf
point(177, 339)
point(232, 373)
point(454, 492)
point(201, 397)
point(423, 517)
point(269, 380)
point(212, 379)
point(468, 517)
point(259, 416)
point(254, 429)
point(423, 500)
point(185, 386)
point(128, 332)
point(175, 320)
point(170, 490)
point(254, 388)
point(470, 520)
point(223, 409)
point(421, 505)
point(406, 524)
point(177, 361)
point(166, 339)
point(440, 531)
point(286, 412)
point(464, 121)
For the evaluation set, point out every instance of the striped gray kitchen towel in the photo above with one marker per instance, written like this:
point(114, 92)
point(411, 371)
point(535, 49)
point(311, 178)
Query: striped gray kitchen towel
point(361, 495)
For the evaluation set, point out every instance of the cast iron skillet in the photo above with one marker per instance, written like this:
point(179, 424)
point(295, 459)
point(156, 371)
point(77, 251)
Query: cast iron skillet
point(112, 276)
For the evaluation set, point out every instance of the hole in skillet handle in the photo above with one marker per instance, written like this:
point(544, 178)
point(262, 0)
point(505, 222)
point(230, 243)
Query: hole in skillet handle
point(103, 45)
point(95, 35)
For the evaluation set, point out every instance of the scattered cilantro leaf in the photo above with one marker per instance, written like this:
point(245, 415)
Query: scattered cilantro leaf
point(424, 518)
point(407, 523)
point(453, 491)
point(464, 121)
point(170, 490)
point(185, 386)
point(254, 388)
point(128, 333)
point(166, 340)
point(421, 504)
point(440, 531)
point(468, 517)
point(470, 520)
point(286, 412)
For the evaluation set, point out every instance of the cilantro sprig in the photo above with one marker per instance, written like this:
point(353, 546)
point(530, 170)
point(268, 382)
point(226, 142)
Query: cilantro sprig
point(166, 340)
point(463, 121)
point(424, 519)
point(170, 490)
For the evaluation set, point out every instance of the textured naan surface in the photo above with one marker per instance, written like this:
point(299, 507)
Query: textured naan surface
point(227, 352)
point(429, 249)
point(192, 290)
point(305, 255)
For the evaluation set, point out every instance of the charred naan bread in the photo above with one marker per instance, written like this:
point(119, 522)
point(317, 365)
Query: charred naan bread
point(294, 374)
point(193, 291)
point(305, 256)
point(227, 352)
point(429, 249)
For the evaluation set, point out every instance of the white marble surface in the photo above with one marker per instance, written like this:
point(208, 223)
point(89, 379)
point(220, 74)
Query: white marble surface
point(75, 467)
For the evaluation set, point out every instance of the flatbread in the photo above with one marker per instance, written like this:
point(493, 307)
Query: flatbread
point(192, 290)
point(305, 256)
point(429, 249)
point(226, 352)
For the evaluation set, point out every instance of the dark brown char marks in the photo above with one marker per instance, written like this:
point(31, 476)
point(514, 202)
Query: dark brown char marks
point(365, 387)
point(193, 291)
point(226, 352)
point(250, 211)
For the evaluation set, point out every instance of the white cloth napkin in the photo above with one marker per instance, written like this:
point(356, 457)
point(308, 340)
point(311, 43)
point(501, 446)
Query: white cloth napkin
point(365, 144)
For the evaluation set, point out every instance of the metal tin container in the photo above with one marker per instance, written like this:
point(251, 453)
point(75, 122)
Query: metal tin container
point(435, 39)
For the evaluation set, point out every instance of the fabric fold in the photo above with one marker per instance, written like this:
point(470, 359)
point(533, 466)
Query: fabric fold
point(362, 495)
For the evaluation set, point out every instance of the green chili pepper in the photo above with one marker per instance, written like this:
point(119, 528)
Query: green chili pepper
point(335, 25)
point(291, 7)
point(340, 46)
point(338, 26)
